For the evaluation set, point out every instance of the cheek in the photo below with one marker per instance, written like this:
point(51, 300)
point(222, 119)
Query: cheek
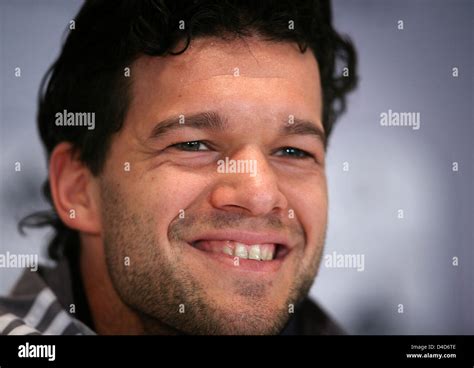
point(308, 199)
point(166, 193)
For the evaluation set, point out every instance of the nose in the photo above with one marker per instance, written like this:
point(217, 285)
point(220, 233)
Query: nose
point(254, 191)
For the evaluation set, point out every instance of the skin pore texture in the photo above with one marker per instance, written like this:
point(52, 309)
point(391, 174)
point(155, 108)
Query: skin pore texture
point(140, 269)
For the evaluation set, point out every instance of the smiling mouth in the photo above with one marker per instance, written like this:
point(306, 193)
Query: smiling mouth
point(266, 252)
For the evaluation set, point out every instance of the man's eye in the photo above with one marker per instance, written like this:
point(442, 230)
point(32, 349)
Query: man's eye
point(293, 152)
point(191, 146)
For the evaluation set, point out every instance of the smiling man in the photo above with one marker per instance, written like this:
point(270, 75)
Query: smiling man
point(154, 234)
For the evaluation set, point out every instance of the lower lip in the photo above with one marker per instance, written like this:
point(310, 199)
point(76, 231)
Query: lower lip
point(242, 264)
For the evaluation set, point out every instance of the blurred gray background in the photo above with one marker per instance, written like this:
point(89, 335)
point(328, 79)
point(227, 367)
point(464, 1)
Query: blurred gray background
point(408, 261)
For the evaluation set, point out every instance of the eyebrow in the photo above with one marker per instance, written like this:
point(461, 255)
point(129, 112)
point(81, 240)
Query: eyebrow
point(304, 127)
point(211, 120)
point(208, 120)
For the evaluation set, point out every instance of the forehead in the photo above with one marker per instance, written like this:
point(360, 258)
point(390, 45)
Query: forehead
point(218, 74)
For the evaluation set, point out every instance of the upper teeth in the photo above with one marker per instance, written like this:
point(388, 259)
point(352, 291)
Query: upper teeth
point(255, 251)
point(241, 251)
point(259, 252)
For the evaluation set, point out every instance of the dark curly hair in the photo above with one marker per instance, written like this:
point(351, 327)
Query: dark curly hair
point(110, 34)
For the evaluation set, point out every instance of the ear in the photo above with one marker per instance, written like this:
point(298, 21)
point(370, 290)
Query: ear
point(74, 190)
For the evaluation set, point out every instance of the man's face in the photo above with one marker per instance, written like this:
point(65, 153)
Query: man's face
point(179, 225)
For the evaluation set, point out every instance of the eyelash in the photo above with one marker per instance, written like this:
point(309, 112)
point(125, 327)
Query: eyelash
point(180, 145)
point(301, 154)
